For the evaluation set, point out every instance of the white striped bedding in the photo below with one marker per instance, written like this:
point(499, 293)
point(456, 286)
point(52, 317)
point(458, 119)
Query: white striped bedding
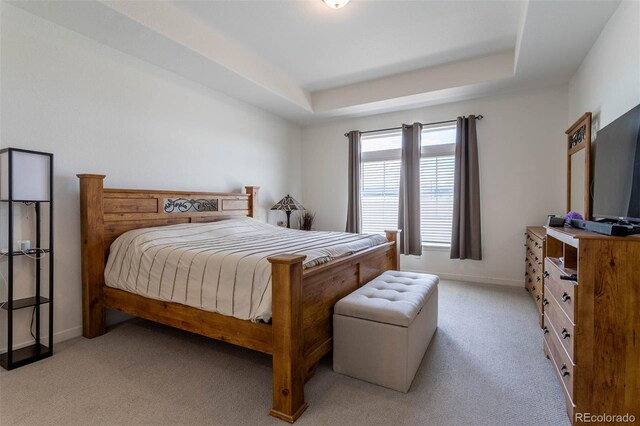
point(220, 266)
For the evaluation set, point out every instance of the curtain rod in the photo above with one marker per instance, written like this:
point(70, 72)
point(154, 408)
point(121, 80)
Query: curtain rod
point(478, 117)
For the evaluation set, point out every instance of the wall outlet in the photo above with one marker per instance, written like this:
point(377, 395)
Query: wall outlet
point(24, 245)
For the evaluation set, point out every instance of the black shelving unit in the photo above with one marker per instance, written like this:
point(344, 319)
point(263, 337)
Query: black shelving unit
point(15, 358)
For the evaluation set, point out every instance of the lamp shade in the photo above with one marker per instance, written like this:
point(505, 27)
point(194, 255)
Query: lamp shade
point(25, 175)
point(288, 203)
point(336, 4)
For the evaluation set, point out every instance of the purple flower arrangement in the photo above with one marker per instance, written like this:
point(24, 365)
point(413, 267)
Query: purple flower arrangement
point(571, 215)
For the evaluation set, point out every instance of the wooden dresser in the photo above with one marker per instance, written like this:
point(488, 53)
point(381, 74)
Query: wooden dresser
point(534, 257)
point(592, 325)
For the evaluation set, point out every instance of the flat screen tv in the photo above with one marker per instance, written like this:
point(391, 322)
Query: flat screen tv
point(616, 180)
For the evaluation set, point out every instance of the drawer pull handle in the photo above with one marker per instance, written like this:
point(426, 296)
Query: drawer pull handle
point(545, 329)
point(533, 287)
point(564, 371)
point(546, 274)
point(534, 271)
point(545, 302)
point(526, 273)
point(538, 297)
point(572, 277)
point(536, 258)
point(538, 279)
point(565, 334)
point(565, 297)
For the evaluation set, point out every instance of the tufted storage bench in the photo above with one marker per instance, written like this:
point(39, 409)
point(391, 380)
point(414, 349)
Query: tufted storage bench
point(381, 331)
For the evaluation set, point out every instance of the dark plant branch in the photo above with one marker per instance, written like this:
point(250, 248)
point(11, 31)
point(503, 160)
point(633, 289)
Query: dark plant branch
point(306, 219)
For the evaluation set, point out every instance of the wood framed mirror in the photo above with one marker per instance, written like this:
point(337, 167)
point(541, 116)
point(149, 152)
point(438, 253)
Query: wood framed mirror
point(579, 166)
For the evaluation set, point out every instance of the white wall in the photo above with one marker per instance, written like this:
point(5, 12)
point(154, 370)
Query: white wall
point(608, 80)
point(100, 111)
point(522, 173)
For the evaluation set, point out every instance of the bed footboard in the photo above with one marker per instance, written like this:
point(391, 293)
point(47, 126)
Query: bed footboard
point(288, 339)
point(302, 319)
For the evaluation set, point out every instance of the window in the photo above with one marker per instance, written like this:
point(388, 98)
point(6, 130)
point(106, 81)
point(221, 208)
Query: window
point(380, 183)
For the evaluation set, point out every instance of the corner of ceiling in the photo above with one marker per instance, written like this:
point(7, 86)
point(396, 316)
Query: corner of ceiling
point(521, 30)
point(169, 22)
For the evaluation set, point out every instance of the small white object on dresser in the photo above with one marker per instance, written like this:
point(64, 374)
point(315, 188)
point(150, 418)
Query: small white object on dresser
point(382, 330)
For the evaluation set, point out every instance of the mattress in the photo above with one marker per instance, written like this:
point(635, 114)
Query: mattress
point(220, 266)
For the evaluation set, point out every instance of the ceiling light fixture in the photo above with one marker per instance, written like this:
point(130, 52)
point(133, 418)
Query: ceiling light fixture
point(336, 4)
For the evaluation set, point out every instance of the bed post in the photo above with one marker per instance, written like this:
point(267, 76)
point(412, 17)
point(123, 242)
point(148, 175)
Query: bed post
point(254, 203)
point(92, 229)
point(394, 255)
point(288, 339)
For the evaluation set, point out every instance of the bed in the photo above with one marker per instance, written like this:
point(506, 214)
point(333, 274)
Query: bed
point(303, 291)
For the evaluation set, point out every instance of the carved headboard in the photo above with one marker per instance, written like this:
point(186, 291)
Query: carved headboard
point(108, 213)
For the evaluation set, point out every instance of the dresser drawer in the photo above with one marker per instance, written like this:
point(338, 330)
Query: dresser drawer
point(559, 324)
point(530, 264)
point(535, 255)
point(562, 290)
point(528, 282)
point(569, 402)
point(535, 272)
point(565, 370)
point(532, 276)
point(533, 287)
point(536, 295)
point(529, 243)
point(535, 281)
point(534, 251)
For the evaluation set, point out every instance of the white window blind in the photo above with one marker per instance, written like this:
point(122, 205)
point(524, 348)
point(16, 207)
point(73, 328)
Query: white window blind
point(379, 195)
point(380, 183)
point(436, 198)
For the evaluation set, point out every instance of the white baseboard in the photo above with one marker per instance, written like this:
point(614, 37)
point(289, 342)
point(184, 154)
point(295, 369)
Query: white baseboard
point(474, 278)
point(58, 337)
point(67, 334)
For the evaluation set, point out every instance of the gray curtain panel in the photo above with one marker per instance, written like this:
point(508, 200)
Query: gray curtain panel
point(354, 207)
point(409, 209)
point(466, 242)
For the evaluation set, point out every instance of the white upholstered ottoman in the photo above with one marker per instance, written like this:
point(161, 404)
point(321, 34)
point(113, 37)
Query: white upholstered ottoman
point(381, 331)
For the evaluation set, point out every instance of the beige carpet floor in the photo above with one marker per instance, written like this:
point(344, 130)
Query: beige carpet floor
point(485, 366)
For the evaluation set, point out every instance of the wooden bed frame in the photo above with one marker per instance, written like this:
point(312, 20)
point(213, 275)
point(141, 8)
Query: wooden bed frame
point(300, 332)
